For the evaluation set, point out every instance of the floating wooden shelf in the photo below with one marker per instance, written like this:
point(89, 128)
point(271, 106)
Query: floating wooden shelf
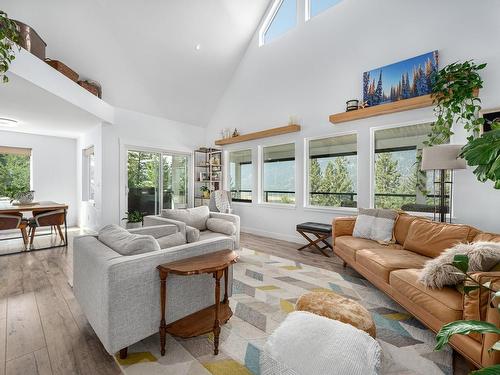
point(383, 109)
point(260, 134)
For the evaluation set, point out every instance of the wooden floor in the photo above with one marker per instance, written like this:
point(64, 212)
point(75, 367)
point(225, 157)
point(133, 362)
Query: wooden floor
point(42, 329)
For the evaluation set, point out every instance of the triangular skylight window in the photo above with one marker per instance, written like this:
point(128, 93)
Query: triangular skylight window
point(283, 19)
point(318, 6)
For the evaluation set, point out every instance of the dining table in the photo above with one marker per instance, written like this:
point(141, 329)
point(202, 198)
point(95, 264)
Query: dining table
point(7, 207)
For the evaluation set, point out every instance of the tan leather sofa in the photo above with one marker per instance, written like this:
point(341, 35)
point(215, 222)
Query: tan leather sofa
point(394, 269)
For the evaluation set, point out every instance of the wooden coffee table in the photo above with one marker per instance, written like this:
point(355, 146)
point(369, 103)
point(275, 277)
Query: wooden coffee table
point(208, 319)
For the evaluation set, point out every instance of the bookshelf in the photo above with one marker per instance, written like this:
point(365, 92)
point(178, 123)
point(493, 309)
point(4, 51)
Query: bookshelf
point(207, 174)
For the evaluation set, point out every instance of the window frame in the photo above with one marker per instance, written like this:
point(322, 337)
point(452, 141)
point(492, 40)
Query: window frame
point(87, 152)
point(260, 176)
point(228, 168)
point(271, 15)
point(19, 150)
point(305, 187)
point(372, 160)
point(307, 9)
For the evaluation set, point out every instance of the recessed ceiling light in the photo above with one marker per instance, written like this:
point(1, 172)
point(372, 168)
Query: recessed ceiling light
point(197, 47)
point(8, 122)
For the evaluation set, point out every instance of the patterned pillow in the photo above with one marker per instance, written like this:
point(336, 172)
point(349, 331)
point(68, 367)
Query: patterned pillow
point(375, 224)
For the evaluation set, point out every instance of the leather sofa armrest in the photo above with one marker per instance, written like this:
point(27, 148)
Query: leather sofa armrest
point(343, 226)
point(477, 306)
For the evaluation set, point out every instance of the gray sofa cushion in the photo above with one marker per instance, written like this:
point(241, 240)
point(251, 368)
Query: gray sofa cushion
point(125, 243)
point(221, 226)
point(192, 234)
point(194, 217)
point(172, 240)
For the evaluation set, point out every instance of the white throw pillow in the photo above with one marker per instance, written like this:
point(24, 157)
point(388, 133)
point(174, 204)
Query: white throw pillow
point(125, 243)
point(438, 272)
point(375, 224)
point(171, 240)
point(195, 217)
point(314, 345)
point(221, 226)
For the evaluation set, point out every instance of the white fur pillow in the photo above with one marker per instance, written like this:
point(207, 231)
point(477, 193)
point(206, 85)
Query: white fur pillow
point(438, 272)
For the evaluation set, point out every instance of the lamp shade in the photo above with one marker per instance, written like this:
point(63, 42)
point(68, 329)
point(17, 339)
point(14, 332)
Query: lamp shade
point(442, 157)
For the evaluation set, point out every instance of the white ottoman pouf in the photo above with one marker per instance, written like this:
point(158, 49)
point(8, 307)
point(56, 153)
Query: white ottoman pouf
point(309, 344)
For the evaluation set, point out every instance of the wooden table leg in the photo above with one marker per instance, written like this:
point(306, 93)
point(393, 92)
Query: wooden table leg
point(163, 303)
point(226, 298)
point(217, 276)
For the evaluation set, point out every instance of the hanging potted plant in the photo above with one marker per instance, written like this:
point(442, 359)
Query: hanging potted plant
point(455, 91)
point(9, 37)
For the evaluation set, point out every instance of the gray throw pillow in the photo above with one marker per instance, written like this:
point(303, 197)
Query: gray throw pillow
point(125, 243)
point(221, 226)
point(171, 240)
point(192, 234)
point(194, 217)
point(375, 224)
point(439, 272)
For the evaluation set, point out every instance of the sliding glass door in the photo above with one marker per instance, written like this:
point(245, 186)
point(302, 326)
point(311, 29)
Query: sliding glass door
point(156, 180)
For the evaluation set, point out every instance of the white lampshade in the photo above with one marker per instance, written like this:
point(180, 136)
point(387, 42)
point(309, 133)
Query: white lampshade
point(442, 157)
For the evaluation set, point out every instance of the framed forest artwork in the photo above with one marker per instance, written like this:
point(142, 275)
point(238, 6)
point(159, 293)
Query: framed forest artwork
point(402, 80)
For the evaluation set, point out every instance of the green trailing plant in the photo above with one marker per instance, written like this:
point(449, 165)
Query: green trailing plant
point(454, 90)
point(134, 216)
point(9, 37)
point(465, 327)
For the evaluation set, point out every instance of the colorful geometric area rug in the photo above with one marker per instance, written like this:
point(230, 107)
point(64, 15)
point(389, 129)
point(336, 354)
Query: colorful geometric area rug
point(265, 290)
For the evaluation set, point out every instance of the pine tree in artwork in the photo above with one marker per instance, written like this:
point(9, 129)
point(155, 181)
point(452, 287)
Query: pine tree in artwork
point(378, 91)
point(315, 178)
point(387, 180)
point(366, 84)
point(421, 83)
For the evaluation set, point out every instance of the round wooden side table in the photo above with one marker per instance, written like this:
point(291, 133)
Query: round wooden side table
point(208, 319)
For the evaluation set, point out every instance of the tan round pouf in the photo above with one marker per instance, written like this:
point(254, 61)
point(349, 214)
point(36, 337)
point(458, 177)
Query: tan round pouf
point(334, 306)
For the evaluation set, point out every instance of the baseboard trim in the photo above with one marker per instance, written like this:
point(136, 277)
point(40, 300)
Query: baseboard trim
point(279, 236)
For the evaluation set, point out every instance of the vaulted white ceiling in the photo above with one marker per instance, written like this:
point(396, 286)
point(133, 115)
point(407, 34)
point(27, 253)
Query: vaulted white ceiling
point(143, 52)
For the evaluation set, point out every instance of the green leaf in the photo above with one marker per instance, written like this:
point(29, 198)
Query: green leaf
point(462, 327)
point(492, 370)
point(461, 262)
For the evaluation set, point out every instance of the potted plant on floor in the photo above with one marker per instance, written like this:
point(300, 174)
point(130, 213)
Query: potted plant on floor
point(9, 37)
point(134, 219)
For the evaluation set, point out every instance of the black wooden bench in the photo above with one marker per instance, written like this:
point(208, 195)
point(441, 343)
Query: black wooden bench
point(322, 233)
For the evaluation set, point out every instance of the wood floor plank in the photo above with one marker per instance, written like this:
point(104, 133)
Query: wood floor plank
point(36, 363)
point(24, 329)
point(3, 343)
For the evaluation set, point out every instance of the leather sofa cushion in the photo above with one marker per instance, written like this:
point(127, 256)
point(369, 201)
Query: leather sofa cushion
point(402, 226)
point(382, 262)
point(445, 304)
point(350, 245)
point(430, 238)
point(488, 237)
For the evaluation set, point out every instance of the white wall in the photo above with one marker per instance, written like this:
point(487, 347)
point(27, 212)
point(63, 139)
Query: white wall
point(140, 130)
point(53, 161)
point(312, 70)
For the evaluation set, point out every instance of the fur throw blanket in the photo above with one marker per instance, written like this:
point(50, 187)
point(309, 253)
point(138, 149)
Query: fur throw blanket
point(438, 272)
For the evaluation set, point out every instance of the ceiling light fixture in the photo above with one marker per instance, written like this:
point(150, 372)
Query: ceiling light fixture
point(8, 123)
point(197, 47)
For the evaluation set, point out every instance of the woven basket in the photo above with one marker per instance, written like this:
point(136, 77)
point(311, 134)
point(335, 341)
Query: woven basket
point(92, 87)
point(62, 68)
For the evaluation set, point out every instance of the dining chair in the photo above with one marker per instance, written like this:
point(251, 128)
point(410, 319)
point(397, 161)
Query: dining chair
point(14, 221)
point(54, 218)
